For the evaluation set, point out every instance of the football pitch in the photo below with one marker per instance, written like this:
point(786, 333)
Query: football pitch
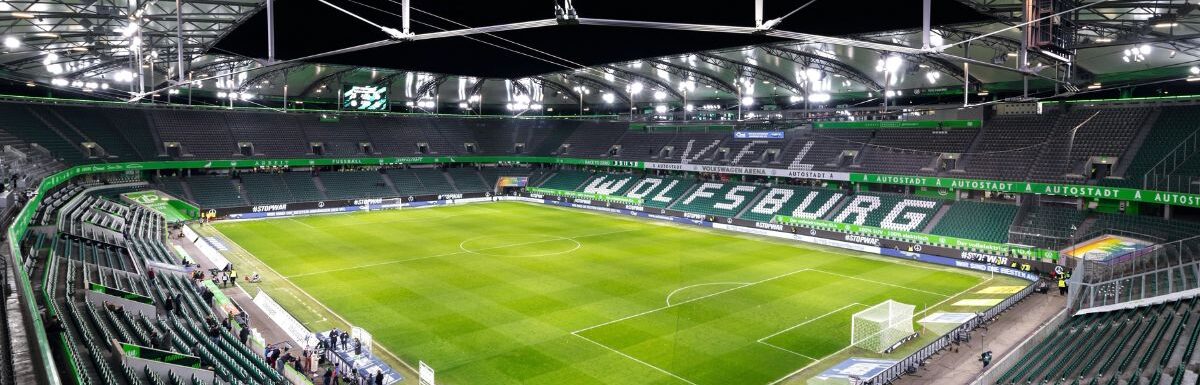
point(518, 293)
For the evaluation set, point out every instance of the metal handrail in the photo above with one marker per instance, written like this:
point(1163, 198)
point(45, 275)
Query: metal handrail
point(915, 359)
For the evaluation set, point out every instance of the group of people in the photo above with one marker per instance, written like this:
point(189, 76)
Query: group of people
point(334, 375)
point(344, 374)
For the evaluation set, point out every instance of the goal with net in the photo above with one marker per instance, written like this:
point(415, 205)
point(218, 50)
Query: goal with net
point(881, 327)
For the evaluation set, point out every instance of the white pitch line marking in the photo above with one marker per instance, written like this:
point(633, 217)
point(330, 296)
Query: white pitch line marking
point(810, 321)
point(689, 301)
point(450, 254)
point(881, 283)
point(550, 238)
point(789, 375)
point(699, 285)
point(785, 349)
point(664, 371)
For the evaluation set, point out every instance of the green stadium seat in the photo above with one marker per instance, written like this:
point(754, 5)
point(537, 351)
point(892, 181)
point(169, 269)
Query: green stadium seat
point(715, 198)
point(785, 200)
point(888, 211)
point(977, 220)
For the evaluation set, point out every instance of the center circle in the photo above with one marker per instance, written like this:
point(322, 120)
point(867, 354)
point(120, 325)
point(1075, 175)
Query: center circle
point(519, 245)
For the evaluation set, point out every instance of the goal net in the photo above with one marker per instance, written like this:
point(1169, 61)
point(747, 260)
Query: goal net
point(881, 326)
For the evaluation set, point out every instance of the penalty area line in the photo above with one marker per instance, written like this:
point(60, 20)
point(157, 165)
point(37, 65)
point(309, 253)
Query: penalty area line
point(647, 364)
point(689, 301)
point(810, 321)
point(822, 359)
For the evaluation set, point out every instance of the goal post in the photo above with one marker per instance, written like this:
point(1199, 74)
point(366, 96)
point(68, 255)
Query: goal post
point(880, 327)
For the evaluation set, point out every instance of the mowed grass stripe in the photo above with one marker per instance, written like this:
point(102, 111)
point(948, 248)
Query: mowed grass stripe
point(508, 318)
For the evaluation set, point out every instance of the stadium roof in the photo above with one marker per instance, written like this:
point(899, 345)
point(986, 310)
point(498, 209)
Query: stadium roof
point(77, 44)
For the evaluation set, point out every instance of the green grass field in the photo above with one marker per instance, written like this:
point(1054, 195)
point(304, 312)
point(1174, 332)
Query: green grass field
point(515, 293)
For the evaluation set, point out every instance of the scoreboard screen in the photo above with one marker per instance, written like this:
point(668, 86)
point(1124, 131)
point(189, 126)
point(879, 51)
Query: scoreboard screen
point(365, 98)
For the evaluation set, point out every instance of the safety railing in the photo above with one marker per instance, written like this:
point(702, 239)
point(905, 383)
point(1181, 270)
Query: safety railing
point(1162, 176)
point(914, 360)
point(1159, 270)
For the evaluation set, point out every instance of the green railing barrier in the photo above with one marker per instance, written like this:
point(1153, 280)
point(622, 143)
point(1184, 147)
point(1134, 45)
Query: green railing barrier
point(583, 195)
point(928, 239)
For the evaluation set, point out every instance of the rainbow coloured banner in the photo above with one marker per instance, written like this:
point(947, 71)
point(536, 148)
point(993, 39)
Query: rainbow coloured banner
point(512, 181)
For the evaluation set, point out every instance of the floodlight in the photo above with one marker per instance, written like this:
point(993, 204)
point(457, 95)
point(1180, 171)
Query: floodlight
point(636, 88)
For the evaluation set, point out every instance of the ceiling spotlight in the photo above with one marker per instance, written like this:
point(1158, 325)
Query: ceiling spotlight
point(124, 76)
point(1194, 70)
point(747, 101)
point(659, 95)
point(12, 43)
point(795, 99)
point(661, 108)
point(636, 88)
point(608, 97)
point(933, 76)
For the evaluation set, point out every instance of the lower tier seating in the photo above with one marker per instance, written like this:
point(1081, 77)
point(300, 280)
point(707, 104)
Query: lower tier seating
point(977, 220)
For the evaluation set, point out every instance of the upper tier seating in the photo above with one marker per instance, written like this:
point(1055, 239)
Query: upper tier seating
point(339, 138)
point(641, 145)
point(272, 134)
point(1174, 124)
point(1006, 145)
point(203, 134)
point(19, 120)
point(977, 220)
point(593, 139)
point(907, 151)
point(1085, 133)
point(97, 127)
point(827, 146)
